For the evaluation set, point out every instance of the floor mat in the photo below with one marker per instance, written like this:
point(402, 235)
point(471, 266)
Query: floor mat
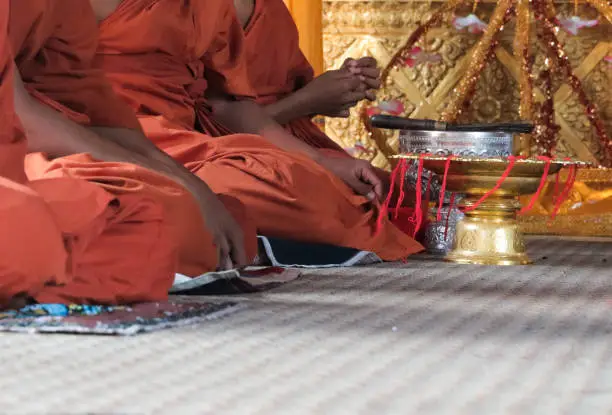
point(140, 318)
point(421, 337)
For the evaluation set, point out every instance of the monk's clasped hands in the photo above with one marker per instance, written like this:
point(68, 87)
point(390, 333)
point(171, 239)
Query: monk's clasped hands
point(334, 92)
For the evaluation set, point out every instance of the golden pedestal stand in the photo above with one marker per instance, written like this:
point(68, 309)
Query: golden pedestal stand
point(489, 234)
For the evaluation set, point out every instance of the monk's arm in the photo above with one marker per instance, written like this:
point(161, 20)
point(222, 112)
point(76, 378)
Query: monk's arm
point(245, 116)
point(330, 94)
point(296, 105)
point(50, 132)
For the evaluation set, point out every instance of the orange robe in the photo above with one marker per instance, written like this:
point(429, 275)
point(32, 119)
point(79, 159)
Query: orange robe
point(65, 240)
point(32, 252)
point(277, 67)
point(160, 56)
point(56, 43)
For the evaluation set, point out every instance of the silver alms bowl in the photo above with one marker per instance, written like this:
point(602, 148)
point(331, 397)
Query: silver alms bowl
point(458, 143)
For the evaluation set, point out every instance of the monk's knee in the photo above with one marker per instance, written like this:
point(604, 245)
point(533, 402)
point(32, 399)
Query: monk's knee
point(32, 251)
point(137, 249)
point(124, 256)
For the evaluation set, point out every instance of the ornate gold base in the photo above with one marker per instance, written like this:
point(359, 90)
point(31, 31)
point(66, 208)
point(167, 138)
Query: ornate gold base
point(490, 234)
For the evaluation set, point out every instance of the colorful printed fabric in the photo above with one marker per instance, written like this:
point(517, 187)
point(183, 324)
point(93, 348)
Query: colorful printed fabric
point(57, 310)
point(140, 318)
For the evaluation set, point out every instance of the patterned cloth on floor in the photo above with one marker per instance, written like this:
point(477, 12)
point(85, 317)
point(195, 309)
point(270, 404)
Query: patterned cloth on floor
point(140, 318)
point(249, 280)
point(83, 319)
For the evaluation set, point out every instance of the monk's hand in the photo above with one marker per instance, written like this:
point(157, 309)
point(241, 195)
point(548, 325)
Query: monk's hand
point(366, 69)
point(359, 175)
point(333, 93)
point(225, 231)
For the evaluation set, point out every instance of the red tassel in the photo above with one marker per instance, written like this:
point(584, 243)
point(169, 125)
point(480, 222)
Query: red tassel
point(425, 214)
point(450, 210)
point(418, 208)
point(536, 195)
point(402, 193)
point(571, 178)
point(557, 187)
point(384, 209)
point(558, 190)
point(428, 194)
point(443, 188)
point(511, 162)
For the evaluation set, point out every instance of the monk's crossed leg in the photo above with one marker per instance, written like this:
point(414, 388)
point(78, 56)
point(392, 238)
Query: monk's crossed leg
point(32, 248)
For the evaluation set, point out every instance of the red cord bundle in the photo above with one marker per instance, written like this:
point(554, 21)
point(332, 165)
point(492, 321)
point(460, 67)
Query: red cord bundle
point(417, 217)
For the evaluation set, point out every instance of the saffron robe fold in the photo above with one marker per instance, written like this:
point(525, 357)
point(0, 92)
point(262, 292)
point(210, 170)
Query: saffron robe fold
point(65, 240)
point(277, 67)
point(161, 56)
point(55, 44)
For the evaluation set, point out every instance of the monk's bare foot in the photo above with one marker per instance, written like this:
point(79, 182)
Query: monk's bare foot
point(16, 303)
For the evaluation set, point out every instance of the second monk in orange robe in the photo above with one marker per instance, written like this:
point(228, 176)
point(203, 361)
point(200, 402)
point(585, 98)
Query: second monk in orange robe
point(160, 56)
point(284, 82)
point(282, 77)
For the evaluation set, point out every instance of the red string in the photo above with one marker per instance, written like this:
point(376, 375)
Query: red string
point(450, 210)
point(443, 188)
point(536, 195)
point(385, 206)
point(428, 193)
point(571, 178)
point(504, 176)
point(402, 193)
point(418, 209)
point(556, 188)
point(427, 198)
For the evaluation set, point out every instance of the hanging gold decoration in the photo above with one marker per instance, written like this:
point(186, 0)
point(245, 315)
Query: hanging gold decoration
point(522, 54)
point(546, 17)
point(479, 56)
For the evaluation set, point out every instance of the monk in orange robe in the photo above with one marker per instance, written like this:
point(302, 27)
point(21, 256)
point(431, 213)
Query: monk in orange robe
point(284, 83)
point(283, 79)
point(55, 43)
point(180, 66)
point(65, 240)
